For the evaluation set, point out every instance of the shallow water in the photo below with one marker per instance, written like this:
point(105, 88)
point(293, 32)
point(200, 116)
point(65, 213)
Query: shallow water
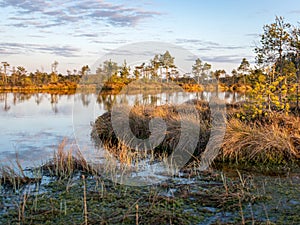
point(33, 125)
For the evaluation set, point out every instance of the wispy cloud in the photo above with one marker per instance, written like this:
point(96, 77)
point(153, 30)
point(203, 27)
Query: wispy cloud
point(224, 58)
point(90, 35)
point(221, 48)
point(234, 58)
point(25, 24)
point(203, 45)
point(18, 48)
point(65, 51)
point(36, 36)
point(25, 6)
point(109, 42)
point(196, 42)
point(5, 51)
point(56, 13)
point(297, 11)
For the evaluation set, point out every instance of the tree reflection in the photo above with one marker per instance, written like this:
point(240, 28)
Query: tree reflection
point(16, 98)
point(38, 98)
point(85, 98)
point(3, 98)
point(107, 100)
point(54, 102)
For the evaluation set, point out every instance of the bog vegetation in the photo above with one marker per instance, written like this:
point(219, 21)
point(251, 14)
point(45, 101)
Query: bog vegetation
point(262, 134)
point(271, 86)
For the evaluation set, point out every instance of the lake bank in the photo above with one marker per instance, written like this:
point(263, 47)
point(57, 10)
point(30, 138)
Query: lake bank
point(141, 85)
point(68, 191)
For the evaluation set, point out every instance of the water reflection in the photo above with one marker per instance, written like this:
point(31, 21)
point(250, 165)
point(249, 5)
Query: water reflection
point(10, 100)
point(3, 98)
point(33, 124)
point(108, 99)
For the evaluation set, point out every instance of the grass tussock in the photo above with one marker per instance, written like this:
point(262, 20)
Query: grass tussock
point(275, 140)
point(66, 162)
point(13, 175)
point(139, 120)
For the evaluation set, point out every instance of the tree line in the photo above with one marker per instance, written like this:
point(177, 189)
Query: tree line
point(273, 80)
point(19, 77)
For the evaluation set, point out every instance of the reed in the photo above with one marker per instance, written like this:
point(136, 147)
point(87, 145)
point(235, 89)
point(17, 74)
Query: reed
point(13, 175)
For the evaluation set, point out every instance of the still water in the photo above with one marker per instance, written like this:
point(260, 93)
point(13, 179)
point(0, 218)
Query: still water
point(33, 125)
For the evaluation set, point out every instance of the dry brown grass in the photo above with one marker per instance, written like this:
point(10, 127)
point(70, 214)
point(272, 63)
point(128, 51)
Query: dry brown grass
point(64, 164)
point(13, 175)
point(139, 119)
point(275, 141)
point(66, 161)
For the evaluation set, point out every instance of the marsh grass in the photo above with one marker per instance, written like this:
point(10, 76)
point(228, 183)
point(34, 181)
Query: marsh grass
point(87, 203)
point(66, 162)
point(139, 119)
point(273, 141)
point(13, 175)
point(96, 200)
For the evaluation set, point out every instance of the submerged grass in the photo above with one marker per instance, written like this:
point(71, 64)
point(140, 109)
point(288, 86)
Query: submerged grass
point(78, 194)
point(205, 200)
point(66, 162)
point(13, 175)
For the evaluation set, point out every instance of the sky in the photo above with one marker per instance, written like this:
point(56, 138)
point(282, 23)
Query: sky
point(35, 33)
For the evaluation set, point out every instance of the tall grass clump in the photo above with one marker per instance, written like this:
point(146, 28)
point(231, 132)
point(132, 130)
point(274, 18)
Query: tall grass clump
point(271, 140)
point(274, 140)
point(66, 162)
point(13, 175)
point(139, 120)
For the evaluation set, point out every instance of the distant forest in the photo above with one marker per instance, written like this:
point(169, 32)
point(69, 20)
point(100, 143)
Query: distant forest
point(274, 79)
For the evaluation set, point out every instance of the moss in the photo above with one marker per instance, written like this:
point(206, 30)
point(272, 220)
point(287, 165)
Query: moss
point(198, 202)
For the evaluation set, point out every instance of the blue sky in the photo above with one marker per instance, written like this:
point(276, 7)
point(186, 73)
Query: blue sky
point(34, 33)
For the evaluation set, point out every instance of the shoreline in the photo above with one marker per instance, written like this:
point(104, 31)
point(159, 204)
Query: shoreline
point(117, 87)
point(64, 185)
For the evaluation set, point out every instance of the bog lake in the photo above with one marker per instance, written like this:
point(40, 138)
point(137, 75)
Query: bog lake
point(33, 125)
